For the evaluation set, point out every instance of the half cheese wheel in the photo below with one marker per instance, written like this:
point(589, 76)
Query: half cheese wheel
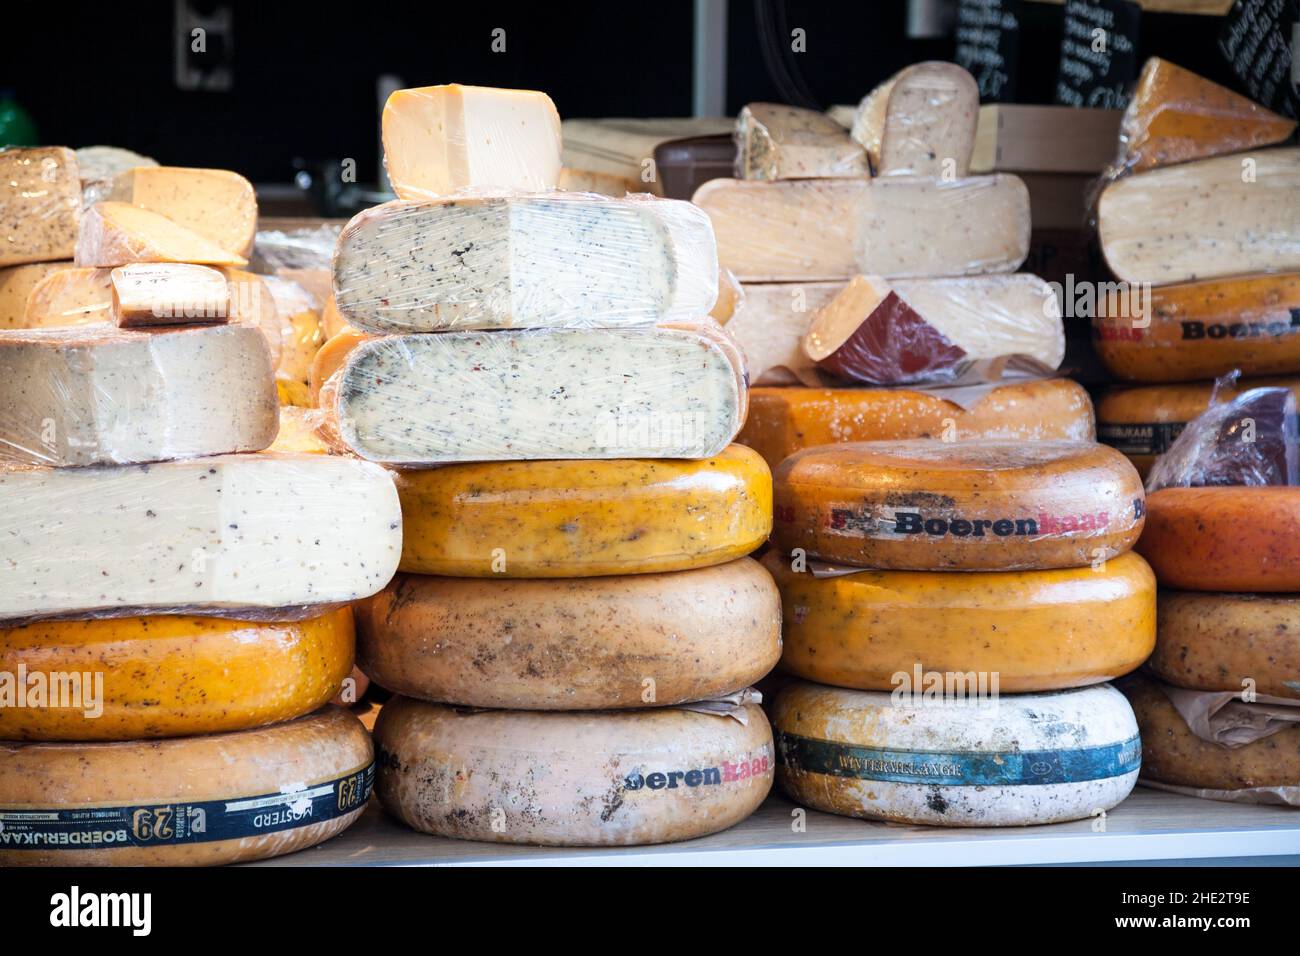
point(784, 420)
point(571, 779)
point(1036, 630)
point(640, 640)
point(1230, 538)
point(170, 676)
point(553, 519)
point(969, 506)
point(980, 762)
point(192, 801)
point(1229, 642)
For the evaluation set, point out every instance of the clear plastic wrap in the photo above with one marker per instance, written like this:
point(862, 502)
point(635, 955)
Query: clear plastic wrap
point(920, 122)
point(255, 532)
point(168, 293)
point(774, 141)
point(538, 261)
point(300, 338)
point(311, 247)
point(98, 165)
point(117, 233)
point(40, 201)
point(16, 285)
point(330, 358)
point(731, 297)
point(217, 204)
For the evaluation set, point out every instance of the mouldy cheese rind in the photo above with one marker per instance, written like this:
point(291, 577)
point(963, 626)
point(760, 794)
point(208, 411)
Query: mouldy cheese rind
point(571, 779)
point(40, 198)
point(1037, 630)
point(174, 676)
point(776, 141)
point(258, 794)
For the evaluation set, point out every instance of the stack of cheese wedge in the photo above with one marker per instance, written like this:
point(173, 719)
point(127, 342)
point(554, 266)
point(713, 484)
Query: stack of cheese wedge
point(575, 562)
point(1200, 225)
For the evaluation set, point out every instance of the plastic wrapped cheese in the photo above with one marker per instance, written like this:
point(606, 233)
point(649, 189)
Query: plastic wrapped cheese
point(218, 204)
point(920, 122)
point(40, 199)
point(168, 293)
point(300, 338)
point(98, 166)
point(775, 141)
point(118, 233)
point(16, 286)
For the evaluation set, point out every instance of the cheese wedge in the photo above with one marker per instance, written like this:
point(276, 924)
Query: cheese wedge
point(775, 141)
point(920, 122)
point(168, 293)
point(769, 324)
point(40, 198)
point(116, 233)
point(16, 285)
point(218, 204)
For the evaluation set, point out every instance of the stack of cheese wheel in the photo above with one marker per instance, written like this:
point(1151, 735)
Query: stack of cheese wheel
point(173, 598)
point(574, 579)
point(1206, 216)
point(952, 611)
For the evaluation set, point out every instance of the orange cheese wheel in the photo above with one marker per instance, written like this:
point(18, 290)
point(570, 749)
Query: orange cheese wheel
point(191, 801)
point(1229, 642)
point(1035, 630)
point(330, 357)
point(784, 420)
point(968, 506)
point(1224, 539)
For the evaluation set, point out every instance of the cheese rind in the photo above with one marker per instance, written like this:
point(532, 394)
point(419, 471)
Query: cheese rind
point(329, 358)
point(168, 293)
point(40, 199)
point(775, 141)
point(116, 233)
point(16, 285)
point(217, 204)
point(920, 122)
point(543, 261)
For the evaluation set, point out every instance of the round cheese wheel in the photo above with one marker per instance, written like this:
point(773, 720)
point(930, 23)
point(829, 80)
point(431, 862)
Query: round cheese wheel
point(329, 358)
point(571, 779)
point(784, 420)
point(565, 519)
point(639, 640)
point(1035, 630)
point(1230, 538)
point(1172, 754)
point(1229, 642)
point(191, 801)
point(970, 506)
point(137, 677)
point(1000, 761)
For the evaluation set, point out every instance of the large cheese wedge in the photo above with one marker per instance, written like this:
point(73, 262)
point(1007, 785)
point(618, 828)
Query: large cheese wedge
point(168, 293)
point(969, 506)
point(920, 122)
point(1205, 329)
point(554, 260)
point(1034, 630)
point(40, 199)
point(101, 395)
point(622, 641)
point(440, 139)
point(784, 420)
point(194, 801)
point(218, 204)
point(973, 762)
point(1175, 116)
point(800, 230)
point(1224, 539)
point(557, 393)
point(571, 779)
point(1232, 215)
point(143, 677)
point(1231, 642)
point(568, 519)
point(775, 141)
point(16, 285)
point(231, 532)
point(116, 233)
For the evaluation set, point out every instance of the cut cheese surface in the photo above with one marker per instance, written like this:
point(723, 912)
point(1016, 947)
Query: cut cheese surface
point(971, 506)
point(1224, 539)
point(147, 677)
point(1010, 761)
point(218, 204)
point(1227, 216)
point(68, 297)
point(232, 532)
point(775, 141)
point(623, 641)
point(769, 325)
point(168, 293)
point(193, 801)
point(784, 420)
point(101, 395)
point(556, 393)
point(99, 165)
point(116, 233)
point(40, 199)
point(920, 122)
point(16, 285)
point(541, 261)
point(570, 779)
point(1037, 630)
point(440, 139)
point(563, 519)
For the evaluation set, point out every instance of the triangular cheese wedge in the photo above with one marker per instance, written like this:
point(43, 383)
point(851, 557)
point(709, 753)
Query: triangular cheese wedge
point(116, 233)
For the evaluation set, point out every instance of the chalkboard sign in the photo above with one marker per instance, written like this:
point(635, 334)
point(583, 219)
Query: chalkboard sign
point(1099, 53)
point(988, 46)
point(1261, 41)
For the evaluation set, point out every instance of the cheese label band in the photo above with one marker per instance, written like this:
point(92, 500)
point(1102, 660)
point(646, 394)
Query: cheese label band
point(894, 522)
point(171, 824)
point(1156, 438)
point(971, 769)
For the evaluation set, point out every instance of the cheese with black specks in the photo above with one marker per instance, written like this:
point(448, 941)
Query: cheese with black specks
point(775, 141)
point(40, 197)
point(117, 233)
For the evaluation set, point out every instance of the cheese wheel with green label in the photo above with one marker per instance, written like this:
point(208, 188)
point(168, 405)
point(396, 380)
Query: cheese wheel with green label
point(642, 640)
point(1034, 630)
point(976, 762)
point(578, 778)
point(958, 506)
point(563, 519)
point(192, 801)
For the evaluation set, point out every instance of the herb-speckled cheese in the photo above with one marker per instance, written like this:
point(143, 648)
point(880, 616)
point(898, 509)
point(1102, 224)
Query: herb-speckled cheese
point(117, 233)
point(40, 196)
point(775, 141)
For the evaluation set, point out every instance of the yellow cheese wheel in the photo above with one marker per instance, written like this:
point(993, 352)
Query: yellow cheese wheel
point(192, 801)
point(641, 640)
point(579, 778)
point(1036, 630)
point(136, 677)
point(970, 506)
point(331, 356)
point(561, 519)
